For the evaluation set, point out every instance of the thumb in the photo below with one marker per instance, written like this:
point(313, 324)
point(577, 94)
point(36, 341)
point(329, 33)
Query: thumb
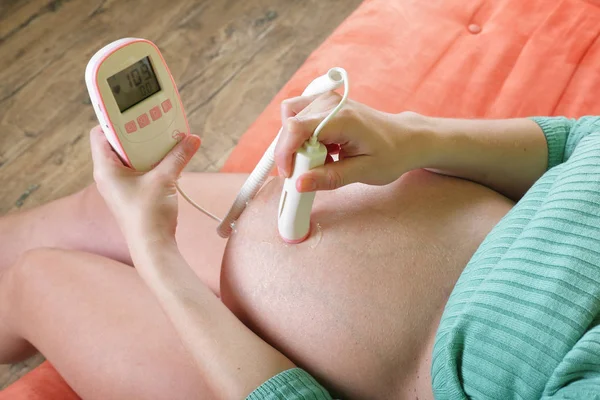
point(333, 175)
point(176, 160)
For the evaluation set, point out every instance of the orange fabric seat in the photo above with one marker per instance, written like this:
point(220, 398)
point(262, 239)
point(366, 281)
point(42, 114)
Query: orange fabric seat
point(453, 58)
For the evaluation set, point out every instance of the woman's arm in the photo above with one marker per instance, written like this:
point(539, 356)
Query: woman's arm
point(505, 155)
point(377, 148)
point(233, 360)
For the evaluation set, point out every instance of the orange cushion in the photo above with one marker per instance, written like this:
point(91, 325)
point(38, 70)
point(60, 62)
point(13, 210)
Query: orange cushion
point(43, 383)
point(454, 58)
point(533, 57)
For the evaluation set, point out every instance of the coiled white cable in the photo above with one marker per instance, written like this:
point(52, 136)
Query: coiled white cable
point(334, 78)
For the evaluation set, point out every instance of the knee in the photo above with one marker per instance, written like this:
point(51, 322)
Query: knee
point(23, 285)
point(87, 201)
point(87, 192)
point(14, 285)
point(33, 270)
point(35, 261)
point(88, 205)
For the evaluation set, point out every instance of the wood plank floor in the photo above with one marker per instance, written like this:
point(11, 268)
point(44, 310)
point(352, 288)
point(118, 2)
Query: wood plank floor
point(229, 58)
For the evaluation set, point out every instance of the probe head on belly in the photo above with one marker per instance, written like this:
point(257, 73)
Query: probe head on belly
point(295, 207)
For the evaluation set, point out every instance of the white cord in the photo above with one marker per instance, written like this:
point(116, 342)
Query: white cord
point(344, 74)
point(261, 172)
point(194, 204)
point(253, 184)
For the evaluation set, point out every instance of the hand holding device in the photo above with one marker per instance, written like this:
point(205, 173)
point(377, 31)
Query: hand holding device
point(136, 101)
point(144, 205)
point(293, 214)
point(375, 148)
point(138, 106)
point(295, 206)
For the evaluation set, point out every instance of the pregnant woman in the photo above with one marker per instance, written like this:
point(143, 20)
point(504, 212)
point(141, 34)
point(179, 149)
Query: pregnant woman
point(420, 278)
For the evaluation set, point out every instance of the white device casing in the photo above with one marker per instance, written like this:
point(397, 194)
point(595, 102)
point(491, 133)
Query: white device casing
point(324, 83)
point(142, 149)
point(146, 146)
point(295, 207)
point(330, 81)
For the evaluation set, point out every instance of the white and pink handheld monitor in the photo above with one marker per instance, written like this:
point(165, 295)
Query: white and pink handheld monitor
point(140, 111)
point(136, 101)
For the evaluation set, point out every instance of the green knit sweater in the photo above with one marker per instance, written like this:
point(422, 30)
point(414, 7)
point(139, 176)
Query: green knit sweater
point(523, 321)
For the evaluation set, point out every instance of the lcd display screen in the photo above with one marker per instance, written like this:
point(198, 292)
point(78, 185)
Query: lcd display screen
point(134, 84)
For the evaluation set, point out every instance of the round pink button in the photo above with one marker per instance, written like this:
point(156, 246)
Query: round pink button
point(474, 29)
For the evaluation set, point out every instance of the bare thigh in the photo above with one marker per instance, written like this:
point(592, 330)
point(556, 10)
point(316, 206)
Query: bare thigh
point(83, 222)
point(359, 302)
point(99, 325)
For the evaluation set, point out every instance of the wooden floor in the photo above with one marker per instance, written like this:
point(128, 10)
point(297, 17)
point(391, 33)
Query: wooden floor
point(229, 58)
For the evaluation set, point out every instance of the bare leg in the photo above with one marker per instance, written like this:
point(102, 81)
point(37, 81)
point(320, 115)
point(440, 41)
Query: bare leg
point(357, 307)
point(98, 324)
point(83, 222)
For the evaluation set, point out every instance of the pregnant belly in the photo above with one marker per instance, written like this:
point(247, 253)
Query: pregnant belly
point(357, 304)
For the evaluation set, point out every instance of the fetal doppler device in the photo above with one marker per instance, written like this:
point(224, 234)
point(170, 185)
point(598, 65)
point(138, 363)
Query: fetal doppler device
point(139, 109)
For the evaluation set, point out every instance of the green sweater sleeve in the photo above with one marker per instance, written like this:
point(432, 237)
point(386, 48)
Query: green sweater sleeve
point(293, 384)
point(578, 374)
point(564, 134)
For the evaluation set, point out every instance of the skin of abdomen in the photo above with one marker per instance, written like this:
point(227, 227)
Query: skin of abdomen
point(358, 303)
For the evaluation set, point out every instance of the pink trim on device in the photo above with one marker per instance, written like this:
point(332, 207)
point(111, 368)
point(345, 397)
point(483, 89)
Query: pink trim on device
point(103, 107)
point(297, 241)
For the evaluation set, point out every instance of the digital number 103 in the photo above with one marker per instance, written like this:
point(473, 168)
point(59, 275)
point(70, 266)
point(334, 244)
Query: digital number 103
point(135, 79)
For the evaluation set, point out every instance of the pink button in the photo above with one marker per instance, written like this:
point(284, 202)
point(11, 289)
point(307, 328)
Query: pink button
point(474, 29)
point(155, 113)
point(166, 105)
point(130, 127)
point(143, 120)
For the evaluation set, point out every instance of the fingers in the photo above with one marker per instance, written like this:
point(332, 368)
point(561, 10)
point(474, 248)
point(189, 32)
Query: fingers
point(99, 145)
point(332, 176)
point(103, 155)
point(173, 164)
point(298, 129)
point(292, 107)
point(289, 109)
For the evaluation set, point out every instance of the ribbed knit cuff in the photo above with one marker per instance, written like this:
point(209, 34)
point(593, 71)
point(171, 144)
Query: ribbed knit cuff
point(293, 384)
point(556, 131)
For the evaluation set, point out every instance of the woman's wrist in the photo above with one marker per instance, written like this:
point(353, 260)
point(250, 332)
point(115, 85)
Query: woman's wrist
point(141, 233)
point(424, 139)
point(147, 247)
point(159, 265)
